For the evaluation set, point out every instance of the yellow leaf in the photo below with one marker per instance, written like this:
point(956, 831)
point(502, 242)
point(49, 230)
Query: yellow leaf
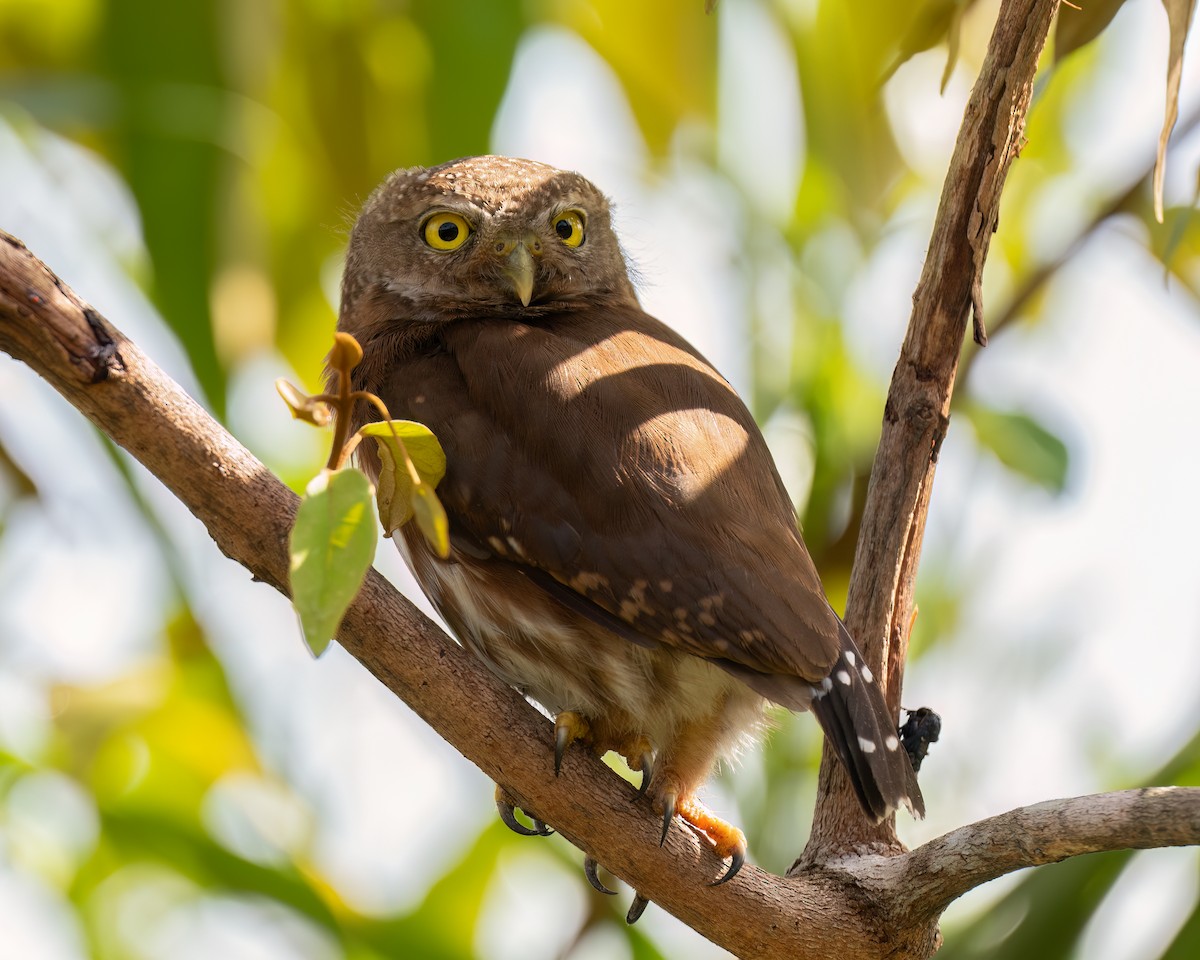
point(303, 407)
point(664, 54)
point(431, 518)
point(394, 511)
point(1179, 15)
point(346, 353)
point(410, 457)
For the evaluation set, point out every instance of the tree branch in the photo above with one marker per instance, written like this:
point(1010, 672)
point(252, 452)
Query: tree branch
point(855, 907)
point(916, 416)
point(249, 513)
point(940, 871)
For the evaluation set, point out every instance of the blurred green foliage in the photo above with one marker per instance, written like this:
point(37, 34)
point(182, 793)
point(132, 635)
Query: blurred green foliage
point(249, 133)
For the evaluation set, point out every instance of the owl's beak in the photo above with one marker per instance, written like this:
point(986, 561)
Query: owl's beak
point(518, 265)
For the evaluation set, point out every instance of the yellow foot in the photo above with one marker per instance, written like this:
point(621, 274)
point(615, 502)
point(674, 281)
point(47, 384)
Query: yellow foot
point(569, 726)
point(727, 840)
point(507, 807)
point(639, 754)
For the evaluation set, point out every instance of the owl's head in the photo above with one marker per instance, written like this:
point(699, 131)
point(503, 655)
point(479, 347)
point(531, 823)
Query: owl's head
point(481, 236)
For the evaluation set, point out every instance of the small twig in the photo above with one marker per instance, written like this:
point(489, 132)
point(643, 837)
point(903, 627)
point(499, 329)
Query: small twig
point(1045, 272)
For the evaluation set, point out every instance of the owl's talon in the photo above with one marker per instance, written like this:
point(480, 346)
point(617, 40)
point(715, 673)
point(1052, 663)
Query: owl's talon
point(737, 858)
point(668, 802)
point(507, 810)
point(636, 909)
point(647, 772)
point(508, 815)
point(589, 870)
point(569, 726)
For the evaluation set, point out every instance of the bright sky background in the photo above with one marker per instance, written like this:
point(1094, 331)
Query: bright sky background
point(1074, 671)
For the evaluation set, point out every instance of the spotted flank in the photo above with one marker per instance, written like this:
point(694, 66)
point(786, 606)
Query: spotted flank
point(851, 710)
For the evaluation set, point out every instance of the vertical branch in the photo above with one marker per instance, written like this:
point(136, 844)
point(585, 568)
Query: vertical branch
point(916, 415)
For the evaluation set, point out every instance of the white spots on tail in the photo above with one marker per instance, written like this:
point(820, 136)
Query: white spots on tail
point(865, 745)
point(852, 659)
point(891, 743)
point(843, 677)
point(819, 690)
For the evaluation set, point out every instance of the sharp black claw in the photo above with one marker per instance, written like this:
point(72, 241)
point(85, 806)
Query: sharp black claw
point(647, 772)
point(589, 870)
point(668, 815)
point(636, 909)
point(541, 829)
point(735, 864)
point(508, 815)
point(562, 738)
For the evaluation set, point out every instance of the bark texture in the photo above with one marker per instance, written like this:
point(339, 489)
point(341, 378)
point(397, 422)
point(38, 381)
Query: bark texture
point(879, 607)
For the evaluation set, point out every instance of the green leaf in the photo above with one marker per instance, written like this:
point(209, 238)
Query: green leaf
point(459, 109)
point(1023, 445)
point(331, 547)
point(431, 518)
point(1187, 942)
point(1079, 26)
point(1044, 915)
point(664, 54)
point(172, 115)
point(401, 442)
point(935, 21)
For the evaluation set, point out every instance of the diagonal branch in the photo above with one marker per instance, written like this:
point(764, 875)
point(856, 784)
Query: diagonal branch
point(915, 419)
point(249, 513)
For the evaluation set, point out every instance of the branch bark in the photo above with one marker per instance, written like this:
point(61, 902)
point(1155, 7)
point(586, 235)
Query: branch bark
point(858, 906)
point(879, 606)
point(249, 513)
point(944, 869)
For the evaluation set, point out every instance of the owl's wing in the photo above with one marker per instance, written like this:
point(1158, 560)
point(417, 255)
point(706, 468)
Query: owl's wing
point(603, 455)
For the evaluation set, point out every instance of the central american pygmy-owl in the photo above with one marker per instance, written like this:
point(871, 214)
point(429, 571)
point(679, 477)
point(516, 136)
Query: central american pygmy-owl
point(623, 550)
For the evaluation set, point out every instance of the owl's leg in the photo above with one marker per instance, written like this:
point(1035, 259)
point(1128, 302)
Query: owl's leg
point(682, 768)
point(727, 840)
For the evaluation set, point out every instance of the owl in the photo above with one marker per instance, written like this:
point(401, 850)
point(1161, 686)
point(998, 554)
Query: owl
point(623, 551)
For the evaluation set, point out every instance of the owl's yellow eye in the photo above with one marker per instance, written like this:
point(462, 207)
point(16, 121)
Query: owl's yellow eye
point(569, 227)
point(446, 231)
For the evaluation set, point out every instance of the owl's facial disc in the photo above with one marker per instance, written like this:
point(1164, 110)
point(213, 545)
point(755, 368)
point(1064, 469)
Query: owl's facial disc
point(483, 236)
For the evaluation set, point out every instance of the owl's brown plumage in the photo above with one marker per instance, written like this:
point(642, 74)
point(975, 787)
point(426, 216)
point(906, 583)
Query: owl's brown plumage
point(623, 550)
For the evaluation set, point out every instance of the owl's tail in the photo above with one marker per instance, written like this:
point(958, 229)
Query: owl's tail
point(850, 707)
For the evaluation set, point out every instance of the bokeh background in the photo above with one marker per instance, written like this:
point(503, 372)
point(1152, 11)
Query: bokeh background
point(179, 779)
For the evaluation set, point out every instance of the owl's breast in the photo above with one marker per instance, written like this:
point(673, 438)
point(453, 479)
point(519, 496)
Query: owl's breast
point(565, 661)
